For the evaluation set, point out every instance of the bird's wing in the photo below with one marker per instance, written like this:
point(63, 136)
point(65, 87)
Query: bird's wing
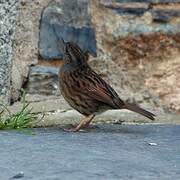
point(99, 90)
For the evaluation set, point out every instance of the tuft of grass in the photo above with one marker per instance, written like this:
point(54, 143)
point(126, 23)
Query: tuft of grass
point(21, 119)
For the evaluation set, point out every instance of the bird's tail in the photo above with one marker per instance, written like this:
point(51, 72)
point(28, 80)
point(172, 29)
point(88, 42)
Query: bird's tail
point(137, 109)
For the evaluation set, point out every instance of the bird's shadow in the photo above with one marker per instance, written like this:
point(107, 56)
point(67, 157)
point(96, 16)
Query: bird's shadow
point(115, 128)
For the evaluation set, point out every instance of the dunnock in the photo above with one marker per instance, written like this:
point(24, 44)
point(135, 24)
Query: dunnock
point(85, 90)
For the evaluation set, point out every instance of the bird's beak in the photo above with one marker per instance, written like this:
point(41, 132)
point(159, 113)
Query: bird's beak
point(62, 45)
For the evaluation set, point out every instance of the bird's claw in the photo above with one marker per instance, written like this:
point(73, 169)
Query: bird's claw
point(73, 130)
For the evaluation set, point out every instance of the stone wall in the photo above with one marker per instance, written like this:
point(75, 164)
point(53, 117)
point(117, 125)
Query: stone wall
point(138, 48)
point(8, 13)
point(25, 52)
point(60, 19)
point(139, 43)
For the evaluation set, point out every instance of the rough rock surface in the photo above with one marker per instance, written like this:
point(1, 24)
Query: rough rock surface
point(69, 20)
point(25, 52)
point(132, 45)
point(8, 12)
point(164, 82)
point(43, 80)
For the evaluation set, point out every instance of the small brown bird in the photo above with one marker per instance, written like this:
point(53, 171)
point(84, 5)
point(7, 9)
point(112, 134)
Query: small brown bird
point(85, 90)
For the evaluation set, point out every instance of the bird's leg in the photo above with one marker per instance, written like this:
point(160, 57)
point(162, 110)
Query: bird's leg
point(84, 123)
point(88, 122)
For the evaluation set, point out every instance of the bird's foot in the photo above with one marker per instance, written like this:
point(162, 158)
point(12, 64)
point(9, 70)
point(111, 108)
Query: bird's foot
point(73, 130)
point(84, 123)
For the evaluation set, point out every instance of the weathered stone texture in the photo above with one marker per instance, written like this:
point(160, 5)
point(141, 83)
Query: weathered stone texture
point(26, 42)
point(69, 20)
point(131, 46)
point(135, 39)
point(8, 12)
point(165, 82)
point(43, 80)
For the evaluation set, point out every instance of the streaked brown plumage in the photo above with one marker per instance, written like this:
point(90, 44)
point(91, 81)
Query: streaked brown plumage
point(85, 90)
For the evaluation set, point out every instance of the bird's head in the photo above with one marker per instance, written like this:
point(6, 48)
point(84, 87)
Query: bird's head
point(73, 54)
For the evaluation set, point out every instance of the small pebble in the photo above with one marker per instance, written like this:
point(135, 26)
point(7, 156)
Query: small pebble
point(152, 144)
point(18, 176)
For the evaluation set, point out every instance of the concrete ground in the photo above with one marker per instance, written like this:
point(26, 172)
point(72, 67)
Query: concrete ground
point(109, 151)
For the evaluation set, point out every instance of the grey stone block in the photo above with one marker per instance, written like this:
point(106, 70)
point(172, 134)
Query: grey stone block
point(69, 20)
point(43, 80)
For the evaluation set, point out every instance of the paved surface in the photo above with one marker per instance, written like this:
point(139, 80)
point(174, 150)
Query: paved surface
point(104, 152)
